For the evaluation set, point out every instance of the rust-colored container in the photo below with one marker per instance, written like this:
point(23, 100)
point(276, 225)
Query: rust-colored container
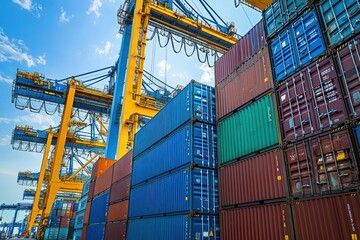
point(311, 101)
point(120, 190)
point(118, 211)
point(101, 166)
point(84, 233)
point(322, 164)
point(103, 182)
point(87, 213)
point(122, 167)
point(116, 230)
point(330, 218)
point(348, 59)
point(261, 222)
point(253, 179)
point(251, 80)
point(91, 189)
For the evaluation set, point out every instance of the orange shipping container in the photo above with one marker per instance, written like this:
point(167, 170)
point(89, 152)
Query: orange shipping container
point(118, 211)
point(122, 167)
point(103, 182)
point(101, 166)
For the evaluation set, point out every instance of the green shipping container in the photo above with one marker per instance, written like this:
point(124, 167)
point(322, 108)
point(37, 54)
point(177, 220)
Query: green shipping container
point(248, 131)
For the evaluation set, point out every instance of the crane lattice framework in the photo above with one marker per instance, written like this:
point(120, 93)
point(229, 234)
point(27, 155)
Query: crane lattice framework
point(14, 207)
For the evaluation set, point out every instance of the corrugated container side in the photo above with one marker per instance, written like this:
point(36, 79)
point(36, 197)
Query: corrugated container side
point(311, 101)
point(82, 203)
point(195, 101)
point(103, 182)
point(120, 190)
point(192, 144)
point(249, 130)
point(186, 190)
point(91, 189)
point(87, 213)
point(84, 233)
point(258, 37)
point(322, 165)
point(262, 222)
point(118, 211)
point(96, 232)
point(250, 80)
point(254, 179)
point(341, 19)
point(86, 188)
point(99, 208)
point(331, 218)
point(100, 166)
point(77, 234)
point(348, 60)
point(178, 227)
point(357, 134)
point(79, 220)
point(115, 230)
point(122, 167)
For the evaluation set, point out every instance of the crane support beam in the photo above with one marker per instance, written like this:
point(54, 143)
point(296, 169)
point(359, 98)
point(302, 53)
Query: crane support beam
point(82, 167)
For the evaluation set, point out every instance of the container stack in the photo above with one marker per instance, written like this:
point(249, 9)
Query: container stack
point(61, 220)
point(174, 189)
point(252, 180)
point(79, 219)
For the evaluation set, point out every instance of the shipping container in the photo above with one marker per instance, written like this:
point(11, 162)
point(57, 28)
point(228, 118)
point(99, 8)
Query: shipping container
point(96, 232)
point(253, 180)
point(357, 135)
point(103, 182)
point(77, 234)
point(248, 131)
point(101, 166)
point(63, 233)
point(86, 187)
point(348, 60)
point(116, 230)
point(300, 43)
point(180, 227)
point(99, 208)
point(82, 203)
point(120, 190)
point(311, 101)
point(91, 189)
point(322, 164)
point(249, 81)
point(261, 222)
point(84, 233)
point(194, 190)
point(87, 213)
point(118, 211)
point(330, 218)
point(341, 19)
point(191, 145)
point(122, 167)
point(79, 220)
point(195, 102)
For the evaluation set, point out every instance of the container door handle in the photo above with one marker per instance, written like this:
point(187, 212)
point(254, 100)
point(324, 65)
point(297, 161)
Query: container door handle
point(343, 174)
point(321, 182)
point(306, 185)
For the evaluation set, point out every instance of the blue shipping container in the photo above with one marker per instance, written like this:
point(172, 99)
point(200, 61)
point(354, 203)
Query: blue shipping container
point(175, 228)
point(99, 208)
point(192, 144)
point(179, 192)
point(341, 18)
point(195, 101)
point(357, 132)
point(79, 220)
point(82, 203)
point(86, 188)
point(77, 234)
point(299, 44)
point(96, 232)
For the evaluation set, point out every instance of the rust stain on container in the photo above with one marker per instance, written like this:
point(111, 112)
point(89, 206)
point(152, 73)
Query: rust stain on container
point(261, 222)
point(116, 230)
point(103, 182)
point(253, 179)
point(118, 211)
point(122, 167)
point(250, 80)
point(120, 190)
point(330, 218)
point(101, 166)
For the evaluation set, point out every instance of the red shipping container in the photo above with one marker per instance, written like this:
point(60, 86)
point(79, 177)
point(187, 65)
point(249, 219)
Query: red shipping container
point(87, 213)
point(330, 218)
point(91, 189)
point(253, 179)
point(311, 101)
point(84, 232)
point(101, 166)
point(118, 211)
point(348, 59)
point(322, 164)
point(116, 230)
point(120, 190)
point(251, 80)
point(64, 222)
point(122, 167)
point(103, 182)
point(261, 222)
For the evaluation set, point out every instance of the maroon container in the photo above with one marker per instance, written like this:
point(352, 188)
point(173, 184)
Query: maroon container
point(116, 230)
point(103, 182)
point(118, 211)
point(91, 189)
point(87, 213)
point(122, 167)
point(84, 233)
point(120, 190)
point(311, 101)
point(261, 222)
point(251, 80)
point(254, 179)
point(64, 222)
point(323, 164)
point(348, 60)
point(330, 218)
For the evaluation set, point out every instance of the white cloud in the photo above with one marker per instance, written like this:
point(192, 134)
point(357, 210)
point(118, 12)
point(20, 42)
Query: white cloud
point(35, 8)
point(64, 17)
point(32, 119)
point(208, 73)
point(6, 79)
point(15, 50)
point(179, 76)
point(5, 140)
point(105, 50)
point(163, 68)
point(94, 7)
point(4, 171)
point(26, 4)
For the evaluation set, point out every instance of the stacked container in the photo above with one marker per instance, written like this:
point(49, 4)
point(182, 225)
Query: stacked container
point(174, 190)
point(79, 219)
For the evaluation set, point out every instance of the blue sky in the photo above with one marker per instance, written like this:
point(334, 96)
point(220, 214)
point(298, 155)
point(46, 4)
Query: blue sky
point(61, 38)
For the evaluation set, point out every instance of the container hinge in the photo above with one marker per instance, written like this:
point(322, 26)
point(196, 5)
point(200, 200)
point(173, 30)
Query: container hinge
point(306, 186)
point(321, 182)
point(343, 174)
